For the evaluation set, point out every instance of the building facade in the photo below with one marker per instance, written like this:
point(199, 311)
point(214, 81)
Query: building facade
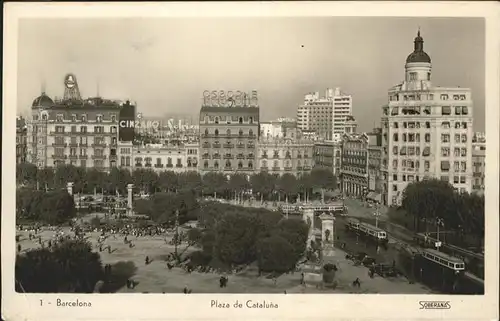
point(478, 164)
point(285, 155)
point(159, 157)
point(229, 132)
point(327, 154)
point(21, 140)
point(354, 168)
point(426, 130)
point(374, 164)
point(283, 127)
point(76, 131)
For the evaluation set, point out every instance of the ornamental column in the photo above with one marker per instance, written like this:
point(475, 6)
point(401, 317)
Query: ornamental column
point(130, 188)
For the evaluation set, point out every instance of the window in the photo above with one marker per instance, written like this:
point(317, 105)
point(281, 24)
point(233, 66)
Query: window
point(456, 179)
point(464, 125)
point(395, 164)
point(446, 110)
point(395, 150)
point(251, 120)
point(458, 110)
point(428, 76)
point(250, 165)
point(394, 111)
point(394, 188)
point(456, 166)
point(240, 120)
point(426, 151)
point(228, 163)
point(463, 152)
point(250, 132)
point(465, 110)
point(464, 138)
point(228, 132)
point(445, 138)
point(99, 118)
point(457, 138)
point(444, 97)
point(395, 137)
point(463, 166)
point(240, 165)
point(240, 132)
point(445, 125)
point(445, 166)
point(216, 132)
point(413, 76)
point(445, 151)
point(216, 164)
point(404, 137)
point(417, 151)
point(216, 120)
point(417, 138)
point(395, 125)
point(462, 179)
point(394, 177)
point(427, 124)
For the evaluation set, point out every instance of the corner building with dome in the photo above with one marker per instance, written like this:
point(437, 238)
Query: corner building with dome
point(426, 131)
point(73, 130)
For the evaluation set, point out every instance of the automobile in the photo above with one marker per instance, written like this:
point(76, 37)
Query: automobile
point(385, 270)
point(368, 261)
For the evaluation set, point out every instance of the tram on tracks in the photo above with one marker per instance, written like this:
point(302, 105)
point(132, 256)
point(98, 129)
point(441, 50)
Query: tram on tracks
point(440, 270)
point(367, 230)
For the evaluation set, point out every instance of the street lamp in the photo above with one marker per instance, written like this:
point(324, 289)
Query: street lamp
point(376, 214)
point(439, 222)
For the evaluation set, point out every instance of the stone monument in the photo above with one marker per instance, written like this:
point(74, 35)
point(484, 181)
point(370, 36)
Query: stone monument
point(308, 217)
point(130, 188)
point(327, 235)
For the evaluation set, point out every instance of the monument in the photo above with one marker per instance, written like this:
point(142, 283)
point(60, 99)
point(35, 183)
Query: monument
point(69, 188)
point(130, 188)
point(327, 236)
point(308, 217)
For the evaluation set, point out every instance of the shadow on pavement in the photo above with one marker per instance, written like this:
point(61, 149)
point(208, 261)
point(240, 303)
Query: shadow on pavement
point(120, 273)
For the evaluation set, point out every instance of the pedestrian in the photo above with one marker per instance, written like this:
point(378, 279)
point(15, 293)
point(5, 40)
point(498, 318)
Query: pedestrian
point(147, 260)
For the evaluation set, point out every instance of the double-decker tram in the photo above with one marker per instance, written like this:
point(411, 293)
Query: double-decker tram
point(374, 233)
point(440, 270)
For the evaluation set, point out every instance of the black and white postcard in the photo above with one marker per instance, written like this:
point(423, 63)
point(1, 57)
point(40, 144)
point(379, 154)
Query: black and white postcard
point(292, 161)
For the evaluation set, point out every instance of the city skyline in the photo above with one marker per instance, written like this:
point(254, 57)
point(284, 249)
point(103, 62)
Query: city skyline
point(283, 63)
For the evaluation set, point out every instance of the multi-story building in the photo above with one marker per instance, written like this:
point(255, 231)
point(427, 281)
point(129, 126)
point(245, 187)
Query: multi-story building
point(72, 130)
point(285, 155)
point(159, 157)
point(283, 127)
point(426, 130)
point(354, 167)
point(21, 140)
point(326, 115)
point(374, 165)
point(125, 154)
point(478, 163)
point(327, 154)
point(229, 131)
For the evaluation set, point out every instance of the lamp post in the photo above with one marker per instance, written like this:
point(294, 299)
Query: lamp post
point(439, 222)
point(376, 214)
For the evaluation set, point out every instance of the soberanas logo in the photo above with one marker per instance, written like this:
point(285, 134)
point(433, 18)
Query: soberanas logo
point(435, 305)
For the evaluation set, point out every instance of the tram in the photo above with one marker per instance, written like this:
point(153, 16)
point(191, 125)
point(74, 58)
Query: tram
point(440, 270)
point(352, 225)
point(374, 233)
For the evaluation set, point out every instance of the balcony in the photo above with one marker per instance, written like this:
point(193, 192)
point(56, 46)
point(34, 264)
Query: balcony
point(206, 145)
point(170, 165)
point(229, 145)
point(52, 132)
point(306, 156)
point(276, 156)
point(307, 168)
point(138, 164)
point(299, 168)
point(299, 156)
point(83, 156)
point(216, 156)
point(73, 144)
point(113, 157)
point(240, 156)
point(99, 145)
point(288, 156)
point(205, 156)
point(98, 156)
point(263, 156)
point(228, 156)
point(263, 168)
point(73, 156)
point(147, 165)
point(59, 156)
point(216, 145)
point(276, 168)
point(251, 156)
point(59, 144)
point(240, 146)
point(113, 144)
point(228, 168)
point(158, 165)
point(289, 168)
point(84, 145)
point(251, 146)
point(178, 165)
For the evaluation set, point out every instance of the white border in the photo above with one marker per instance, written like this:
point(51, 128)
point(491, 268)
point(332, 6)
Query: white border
point(178, 306)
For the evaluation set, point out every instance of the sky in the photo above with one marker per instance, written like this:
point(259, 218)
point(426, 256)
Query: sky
point(165, 64)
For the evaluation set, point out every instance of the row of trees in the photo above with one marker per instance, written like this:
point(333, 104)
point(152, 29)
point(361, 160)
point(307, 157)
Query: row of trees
point(265, 185)
point(433, 202)
point(231, 236)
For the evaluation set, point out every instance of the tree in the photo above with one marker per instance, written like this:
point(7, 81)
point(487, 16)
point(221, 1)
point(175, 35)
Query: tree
point(323, 178)
point(118, 179)
point(28, 203)
point(45, 178)
point(57, 207)
point(238, 184)
point(70, 266)
point(190, 181)
point(26, 174)
point(95, 180)
point(67, 173)
point(168, 181)
point(287, 184)
point(304, 185)
point(295, 232)
point(214, 183)
point(275, 254)
point(263, 183)
point(145, 180)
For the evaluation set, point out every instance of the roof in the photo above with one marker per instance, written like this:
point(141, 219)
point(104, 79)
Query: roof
point(232, 110)
point(42, 101)
point(418, 54)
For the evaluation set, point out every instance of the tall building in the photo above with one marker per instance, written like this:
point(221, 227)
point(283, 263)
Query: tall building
point(426, 130)
point(374, 164)
point(478, 163)
point(285, 155)
point(21, 140)
point(327, 115)
point(229, 131)
point(73, 130)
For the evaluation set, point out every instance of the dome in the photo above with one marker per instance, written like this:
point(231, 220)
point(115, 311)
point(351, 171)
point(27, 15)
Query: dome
point(42, 101)
point(418, 54)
